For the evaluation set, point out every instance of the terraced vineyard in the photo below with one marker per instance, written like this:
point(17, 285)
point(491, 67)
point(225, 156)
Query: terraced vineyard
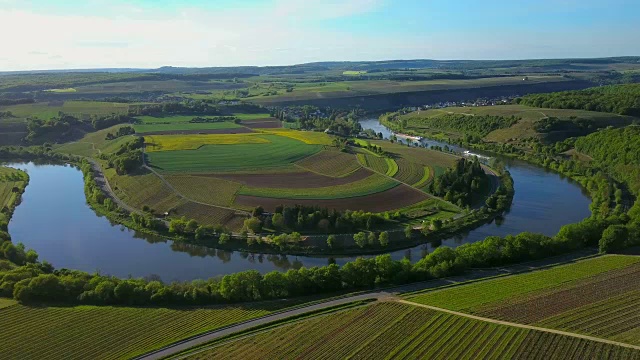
point(400, 331)
point(103, 332)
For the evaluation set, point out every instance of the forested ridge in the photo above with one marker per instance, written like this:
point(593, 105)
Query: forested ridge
point(617, 150)
point(619, 99)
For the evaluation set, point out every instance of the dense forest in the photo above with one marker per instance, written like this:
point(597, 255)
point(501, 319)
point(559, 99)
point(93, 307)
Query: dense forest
point(616, 150)
point(619, 99)
point(462, 183)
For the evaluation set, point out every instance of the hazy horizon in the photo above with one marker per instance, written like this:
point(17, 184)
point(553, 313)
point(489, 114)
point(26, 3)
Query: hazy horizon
point(149, 34)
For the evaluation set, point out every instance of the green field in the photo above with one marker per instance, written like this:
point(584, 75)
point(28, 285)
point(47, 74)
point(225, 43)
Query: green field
point(145, 128)
point(399, 331)
point(252, 116)
point(475, 296)
point(104, 332)
point(205, 189)
point(77, 108)
point(277, 152)
point(95, 143)
point(370, 185)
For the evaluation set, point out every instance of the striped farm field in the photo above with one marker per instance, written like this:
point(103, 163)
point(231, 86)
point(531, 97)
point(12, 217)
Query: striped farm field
point(370, 185)
point(410, 172)
point(480, 296)
point(330, 163)
point(104, 332)
point(228, 153)
point(208, 190)
point(393, 330)
point(156, 143)
point(143, 188)
point(379, 164)
point(603, 305)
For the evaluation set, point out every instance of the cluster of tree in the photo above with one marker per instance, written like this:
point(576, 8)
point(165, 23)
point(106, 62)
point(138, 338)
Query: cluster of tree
point(573, 124)
point(335, 121)
point(105, 121)
point(616, 150)
point(56, 126)
point(371, 147)
point(123, 131)
point(310, 218)
point(191, 229)
point(214, 119)
point(128, 158)
point(6, 114)
point(502, 198)
point(363, 239)
point(203, 107)
point(479, 125)
point(461, 184)
point(619, 99)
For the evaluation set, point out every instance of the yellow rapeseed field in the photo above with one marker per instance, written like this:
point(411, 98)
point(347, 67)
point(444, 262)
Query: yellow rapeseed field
point(307, 137)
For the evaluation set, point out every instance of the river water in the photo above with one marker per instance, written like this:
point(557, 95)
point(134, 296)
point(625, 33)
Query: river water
point(55, 220)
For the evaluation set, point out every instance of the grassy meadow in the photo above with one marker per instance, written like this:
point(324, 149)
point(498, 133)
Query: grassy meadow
point(237, 152)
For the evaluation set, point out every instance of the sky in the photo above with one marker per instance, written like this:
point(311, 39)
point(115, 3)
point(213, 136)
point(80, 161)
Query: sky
point(58, 34)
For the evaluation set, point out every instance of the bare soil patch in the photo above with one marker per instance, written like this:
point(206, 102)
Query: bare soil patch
point(395, 198)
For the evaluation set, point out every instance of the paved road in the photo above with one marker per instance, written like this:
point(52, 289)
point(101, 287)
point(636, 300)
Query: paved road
point(522, 326)
point(376, 294)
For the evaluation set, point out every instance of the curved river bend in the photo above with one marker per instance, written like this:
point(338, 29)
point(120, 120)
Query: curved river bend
point(55, 220)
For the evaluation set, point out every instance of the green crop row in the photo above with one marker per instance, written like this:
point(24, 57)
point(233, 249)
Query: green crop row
point(400, 331)
point(473, 296)
point(367, 186)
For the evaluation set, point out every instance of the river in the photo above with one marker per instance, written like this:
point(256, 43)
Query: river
point(55, 220)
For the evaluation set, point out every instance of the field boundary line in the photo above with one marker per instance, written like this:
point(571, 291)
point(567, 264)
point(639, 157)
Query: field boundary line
point(521, 326)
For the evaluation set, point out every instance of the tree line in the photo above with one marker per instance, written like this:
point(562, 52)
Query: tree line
point(619, 99)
